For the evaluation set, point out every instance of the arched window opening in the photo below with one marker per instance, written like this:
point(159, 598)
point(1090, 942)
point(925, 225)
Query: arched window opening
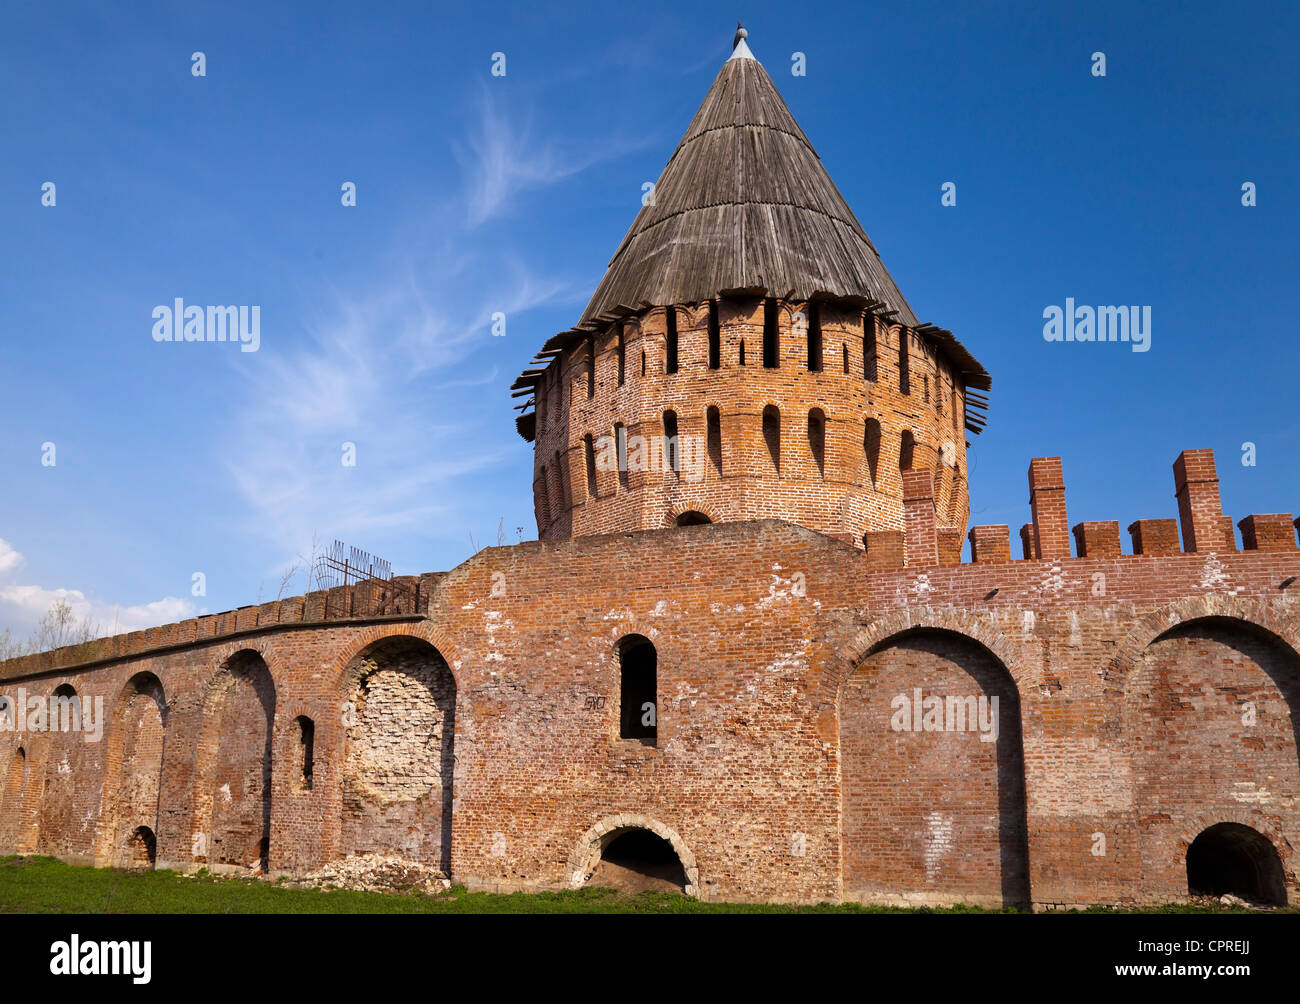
point(715, 337)
point(692, 518)
point(814, 337)
point(304, 751)
point(670, 362)
point(772, 435)
point(589, 457)
point(638, 690)
point(904, 375)
point(714, 439)
point(906, 451)
point(672, 455)
point(817, 438)
point(871, 447)
point(771, 335)
point(869, 346)
point(1233, 859)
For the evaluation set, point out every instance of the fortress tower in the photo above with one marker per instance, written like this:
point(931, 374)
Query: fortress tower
point(747, 354)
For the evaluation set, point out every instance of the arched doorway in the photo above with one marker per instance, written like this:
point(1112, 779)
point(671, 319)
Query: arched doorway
point(233, 803)
point(932, 766)
point(141, 849)
point(1230, 858)
point(133, 768)
point(637, 860)
point(633, 852)
point(1212, 707)
point(399, 753)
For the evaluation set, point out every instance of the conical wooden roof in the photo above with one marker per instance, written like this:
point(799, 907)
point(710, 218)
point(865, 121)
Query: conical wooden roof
point(745, 204)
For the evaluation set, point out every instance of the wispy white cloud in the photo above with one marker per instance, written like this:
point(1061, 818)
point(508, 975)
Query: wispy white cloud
point(9, 558)
point(503, 157)
point(22, 606)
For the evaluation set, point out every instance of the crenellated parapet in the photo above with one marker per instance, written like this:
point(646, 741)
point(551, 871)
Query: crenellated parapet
point(1201, 525)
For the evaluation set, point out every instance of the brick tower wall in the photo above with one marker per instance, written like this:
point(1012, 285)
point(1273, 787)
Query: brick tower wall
point(855, 488)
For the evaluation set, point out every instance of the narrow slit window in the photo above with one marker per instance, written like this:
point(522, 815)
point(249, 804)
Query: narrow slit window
point(620, 448)
point(591, 368)
point(772, 436)
point(714, 437)
point(742, 352)
point(817, 438)
point(814, 337)
point(904, 377)
point(846, 357)
point(589, 454)
point(638, 690)
point(622, 354)
point(871, 447)
point(715, 337)
point(869, 347)
point(304, 751)
point(670, 362)
point(672, 456)
point(771, 335)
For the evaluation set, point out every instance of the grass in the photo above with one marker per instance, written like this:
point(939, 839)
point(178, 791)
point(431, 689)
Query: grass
point(46, 885)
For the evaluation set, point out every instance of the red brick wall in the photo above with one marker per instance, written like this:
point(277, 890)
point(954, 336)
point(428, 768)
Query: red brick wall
point(840, 497)
point(768, 636)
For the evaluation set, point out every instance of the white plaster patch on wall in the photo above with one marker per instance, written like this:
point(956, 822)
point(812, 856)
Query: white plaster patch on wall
point(1028, 621)
point(1215, 577)
point(1248, 793)
point(787, 662)
point(660, 609)
point(225, 793)
point(780, 589)
point(494, 621)
point(1076, 634)
point(619, 615)
point(1053, 582)
point(938, 842)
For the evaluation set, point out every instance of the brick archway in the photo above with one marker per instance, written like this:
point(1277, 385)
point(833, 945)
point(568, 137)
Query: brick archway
point(979, 628)
point(587, 851)
point(1250, 613)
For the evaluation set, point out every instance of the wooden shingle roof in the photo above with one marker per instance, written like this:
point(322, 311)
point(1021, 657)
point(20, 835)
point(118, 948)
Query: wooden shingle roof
point(745, 205)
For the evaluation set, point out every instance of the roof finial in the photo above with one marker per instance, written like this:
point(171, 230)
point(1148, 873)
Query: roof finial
point(739, 50)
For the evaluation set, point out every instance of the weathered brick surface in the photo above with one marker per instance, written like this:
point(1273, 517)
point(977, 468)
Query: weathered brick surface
point(856, 487)
point(482, 733)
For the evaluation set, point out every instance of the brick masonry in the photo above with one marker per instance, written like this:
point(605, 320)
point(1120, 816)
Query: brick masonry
point(470, 719)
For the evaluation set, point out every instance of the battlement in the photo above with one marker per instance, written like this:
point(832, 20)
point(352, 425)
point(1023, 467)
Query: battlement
point(1203, 525)
point(402, 597)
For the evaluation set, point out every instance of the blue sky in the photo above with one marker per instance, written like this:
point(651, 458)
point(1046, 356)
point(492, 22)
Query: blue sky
point(478, 194)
